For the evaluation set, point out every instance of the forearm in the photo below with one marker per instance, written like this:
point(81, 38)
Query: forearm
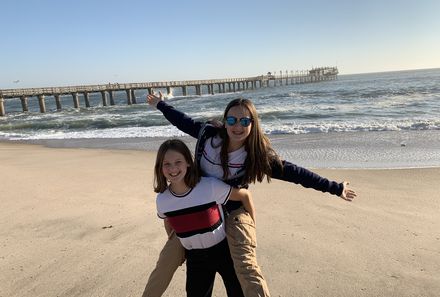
point(245, 197)
point(248, 205)
point(167, 227)
point(292, 173)
point(179, 119)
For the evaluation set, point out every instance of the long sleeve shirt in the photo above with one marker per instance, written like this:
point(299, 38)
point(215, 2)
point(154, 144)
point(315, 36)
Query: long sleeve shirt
point(286, 171)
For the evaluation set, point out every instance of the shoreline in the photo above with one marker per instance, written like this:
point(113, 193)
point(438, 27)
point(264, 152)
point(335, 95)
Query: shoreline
point(82, 222)
point(347, 150)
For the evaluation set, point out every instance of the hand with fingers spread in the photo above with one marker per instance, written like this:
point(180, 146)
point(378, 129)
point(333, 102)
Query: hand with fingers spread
point(347, 193)
point(153, 100)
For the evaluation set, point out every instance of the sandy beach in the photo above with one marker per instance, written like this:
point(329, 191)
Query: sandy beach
point(82, 222)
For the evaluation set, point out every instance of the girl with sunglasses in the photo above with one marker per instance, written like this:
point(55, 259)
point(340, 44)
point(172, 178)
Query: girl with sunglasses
point(238, 153)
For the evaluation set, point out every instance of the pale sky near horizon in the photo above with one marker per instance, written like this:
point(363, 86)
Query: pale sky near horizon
point(55, 42)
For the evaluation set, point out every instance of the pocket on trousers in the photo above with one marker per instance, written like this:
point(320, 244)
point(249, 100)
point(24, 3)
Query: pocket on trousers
point(240, 229)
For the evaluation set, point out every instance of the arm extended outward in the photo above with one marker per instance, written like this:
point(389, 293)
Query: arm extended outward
point(183, 122)
point(292, 173)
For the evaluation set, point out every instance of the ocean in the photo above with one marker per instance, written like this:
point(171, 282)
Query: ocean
point(375, 120)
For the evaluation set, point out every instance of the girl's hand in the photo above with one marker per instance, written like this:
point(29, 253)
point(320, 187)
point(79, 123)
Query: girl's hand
point(216, 123)
point(347, 193)
point(153, 100)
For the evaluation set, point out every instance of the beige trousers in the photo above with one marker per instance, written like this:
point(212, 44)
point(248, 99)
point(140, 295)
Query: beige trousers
point(242, 240)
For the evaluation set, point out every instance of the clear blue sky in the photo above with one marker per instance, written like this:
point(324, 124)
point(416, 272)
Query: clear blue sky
point(70, 42)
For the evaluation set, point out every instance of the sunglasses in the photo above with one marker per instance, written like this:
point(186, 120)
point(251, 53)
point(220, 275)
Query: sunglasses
point(244, 122)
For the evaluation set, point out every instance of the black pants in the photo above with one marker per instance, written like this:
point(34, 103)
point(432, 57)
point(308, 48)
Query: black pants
point(201, 267)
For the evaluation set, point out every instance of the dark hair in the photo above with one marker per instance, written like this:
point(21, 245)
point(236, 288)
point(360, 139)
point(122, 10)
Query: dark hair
point(260, 153)
point(192, 176)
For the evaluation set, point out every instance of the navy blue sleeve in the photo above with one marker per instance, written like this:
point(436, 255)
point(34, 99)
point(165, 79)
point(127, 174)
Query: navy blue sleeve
point(292, 173)
point(183, 122)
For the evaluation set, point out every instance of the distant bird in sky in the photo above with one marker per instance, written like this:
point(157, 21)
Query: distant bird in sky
point(16, 81)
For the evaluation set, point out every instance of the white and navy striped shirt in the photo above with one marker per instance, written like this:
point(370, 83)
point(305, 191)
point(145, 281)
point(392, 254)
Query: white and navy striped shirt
point(196, 216)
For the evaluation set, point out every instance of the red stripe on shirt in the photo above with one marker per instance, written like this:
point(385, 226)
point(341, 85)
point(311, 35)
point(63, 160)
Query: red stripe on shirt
point(195, 221)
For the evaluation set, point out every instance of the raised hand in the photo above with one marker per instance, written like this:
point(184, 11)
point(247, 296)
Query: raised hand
point(152, 99)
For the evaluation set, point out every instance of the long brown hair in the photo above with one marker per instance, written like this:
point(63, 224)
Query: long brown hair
point(192, 176)
point(260, 153)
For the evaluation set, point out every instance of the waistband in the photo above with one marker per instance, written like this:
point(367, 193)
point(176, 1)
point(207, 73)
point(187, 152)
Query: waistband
point(198, 252)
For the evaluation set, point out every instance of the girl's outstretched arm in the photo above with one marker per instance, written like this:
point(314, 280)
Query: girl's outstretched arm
point(245, 197)
point(292, 173)
point(183, 122)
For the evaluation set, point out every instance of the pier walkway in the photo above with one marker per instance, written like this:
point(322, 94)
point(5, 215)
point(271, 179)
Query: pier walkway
point(196, 86)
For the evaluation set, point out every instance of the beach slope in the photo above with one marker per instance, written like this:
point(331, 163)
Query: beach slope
point(82, 222)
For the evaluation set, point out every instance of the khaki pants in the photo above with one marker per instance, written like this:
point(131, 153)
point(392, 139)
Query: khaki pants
point(242, 240)
point(170, 258)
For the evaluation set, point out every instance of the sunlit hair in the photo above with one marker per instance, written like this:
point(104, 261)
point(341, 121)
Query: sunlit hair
point(192, 176)
point(260, 153)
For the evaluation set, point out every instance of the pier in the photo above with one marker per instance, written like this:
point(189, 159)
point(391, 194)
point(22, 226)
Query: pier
point(106, 91)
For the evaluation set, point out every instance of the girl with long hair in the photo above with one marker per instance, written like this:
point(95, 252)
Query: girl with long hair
point(191, 206)
point(238, 153)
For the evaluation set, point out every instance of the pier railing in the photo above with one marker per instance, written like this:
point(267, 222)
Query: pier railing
point(223, 86)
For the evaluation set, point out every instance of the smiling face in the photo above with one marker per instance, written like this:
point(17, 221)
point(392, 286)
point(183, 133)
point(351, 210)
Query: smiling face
point(237, 133)
point(174, 167)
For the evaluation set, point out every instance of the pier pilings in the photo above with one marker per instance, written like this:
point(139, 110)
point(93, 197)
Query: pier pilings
point(24, 103)
point(42, 103)
point(57, 101)
point(210, 86)
point(104, 98)
point(128, 92)
point(112, 100)
point(2, 107)
point(133, 97)
point(198, 90)
point(75, 100)
point(86, 99)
